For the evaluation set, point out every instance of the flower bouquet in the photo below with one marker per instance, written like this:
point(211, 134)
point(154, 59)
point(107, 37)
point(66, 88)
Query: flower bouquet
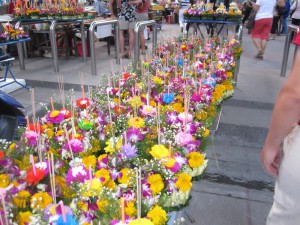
point(33, 13)
point(234, 13)
point(220, 12)
point(127, 152)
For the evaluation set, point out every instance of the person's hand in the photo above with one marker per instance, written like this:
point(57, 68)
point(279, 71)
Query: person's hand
point(112, 17)
point(270, 159)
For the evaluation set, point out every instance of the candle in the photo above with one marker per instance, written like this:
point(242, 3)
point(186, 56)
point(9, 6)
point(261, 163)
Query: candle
point(33, 165)
point(123, 210)
point(52, 104)
point(63, 213)
point(90, 174)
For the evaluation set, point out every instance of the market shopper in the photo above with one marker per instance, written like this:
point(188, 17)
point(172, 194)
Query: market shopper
point(285, 17)
point(284, 131)
point(276, 18)
point(295, 8)
point(262, 26)
point(127, 20)
point(142, 15)
point(183, 5)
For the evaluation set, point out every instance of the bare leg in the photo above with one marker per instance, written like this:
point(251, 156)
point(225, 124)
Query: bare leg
point(142, 41)
point(257, 43)
point(121, 34)
point(131, 40)
point(263, 45)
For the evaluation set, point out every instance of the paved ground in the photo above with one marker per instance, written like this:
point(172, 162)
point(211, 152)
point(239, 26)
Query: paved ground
point(234, 189)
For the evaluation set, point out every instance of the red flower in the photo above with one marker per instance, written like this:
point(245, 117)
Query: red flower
point(67, 113)
point(125, 76)
point(183, 47)
point(1, 154)
point(33, 127)
point(83, 102)
point(34, 179)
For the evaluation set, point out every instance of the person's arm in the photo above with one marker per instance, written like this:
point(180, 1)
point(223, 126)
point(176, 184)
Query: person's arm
point(294, 5)
point(285, 117)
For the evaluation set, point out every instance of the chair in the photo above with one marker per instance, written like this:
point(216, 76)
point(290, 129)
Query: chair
point(5, 60)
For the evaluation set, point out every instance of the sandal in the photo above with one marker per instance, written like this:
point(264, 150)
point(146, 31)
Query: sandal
point(127, 56)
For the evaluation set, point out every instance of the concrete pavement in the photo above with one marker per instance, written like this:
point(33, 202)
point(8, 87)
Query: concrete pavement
point(234, 190)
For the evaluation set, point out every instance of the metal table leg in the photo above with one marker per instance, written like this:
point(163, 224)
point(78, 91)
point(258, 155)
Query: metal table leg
point(53, 45)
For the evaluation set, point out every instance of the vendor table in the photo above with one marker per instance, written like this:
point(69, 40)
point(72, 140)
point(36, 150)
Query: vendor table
point(211, 25)
point(53, 23)
point(19, 43)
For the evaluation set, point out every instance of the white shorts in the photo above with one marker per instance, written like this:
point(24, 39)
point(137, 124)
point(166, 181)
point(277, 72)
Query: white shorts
point(286, 206)
point(125, 25)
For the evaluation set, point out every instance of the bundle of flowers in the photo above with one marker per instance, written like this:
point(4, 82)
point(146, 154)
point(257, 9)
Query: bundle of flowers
point(221, 12)
point(234, 13)
point(10, 33)
point(33, 13)
point(126, 153)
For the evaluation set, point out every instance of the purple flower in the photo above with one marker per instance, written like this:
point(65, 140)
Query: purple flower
point(77, 174)
point(134, 134)
point(192, 145)
point(191, 128)
point(76, 145)
point(129, 150)
point(172, 118)
point(31, 137)
point(55, 117)
point(196, 97)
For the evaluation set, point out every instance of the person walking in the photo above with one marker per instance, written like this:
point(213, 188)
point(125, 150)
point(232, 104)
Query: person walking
point(281, 151)
point(183, 5)
point(247, 8)
point(126, 20)
point(142, 15)
point(262, 26)
point(276, 17)
point(295, 8)
point(285, 16)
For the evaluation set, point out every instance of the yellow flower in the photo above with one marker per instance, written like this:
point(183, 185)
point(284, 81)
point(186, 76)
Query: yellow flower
point(24, 163)
point(157, 80)
point(4, 180)
point(156, 183)
point(12, 146)
point(104, 175)
point(184, 182)
point(102, 204)
point(110, 184)
point(21, 199)
point(89, 160)
point(40, 200)
point(135, 102)
point(127, 175)
point(54, 113)
point(113, 144)
point(90, 189)
point(66, 191)
point(136, 122)
point(229, 74)
point(169, 162)
point(159, 151)
point(130, 209)
point(24, 218)
point(195, 159)
point(178, 107)
point(157, 215)
point(142, 221)
point(82, 206)
point(205, 132)
point(201, 115)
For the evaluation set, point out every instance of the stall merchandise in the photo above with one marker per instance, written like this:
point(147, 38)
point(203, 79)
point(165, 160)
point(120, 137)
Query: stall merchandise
point(127, 151)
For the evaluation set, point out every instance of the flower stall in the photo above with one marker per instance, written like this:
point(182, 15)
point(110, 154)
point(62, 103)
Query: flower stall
point(127, 151)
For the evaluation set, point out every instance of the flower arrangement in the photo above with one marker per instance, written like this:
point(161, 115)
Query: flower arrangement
point(234, 13)
point(33, 13)
point(10, 33)
point(128, 152)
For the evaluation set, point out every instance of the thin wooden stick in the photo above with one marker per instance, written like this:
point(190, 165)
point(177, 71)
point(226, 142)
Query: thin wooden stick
point(33, 104)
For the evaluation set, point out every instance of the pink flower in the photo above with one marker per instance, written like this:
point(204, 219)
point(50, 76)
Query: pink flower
point(31, 137)
point(183, 138)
